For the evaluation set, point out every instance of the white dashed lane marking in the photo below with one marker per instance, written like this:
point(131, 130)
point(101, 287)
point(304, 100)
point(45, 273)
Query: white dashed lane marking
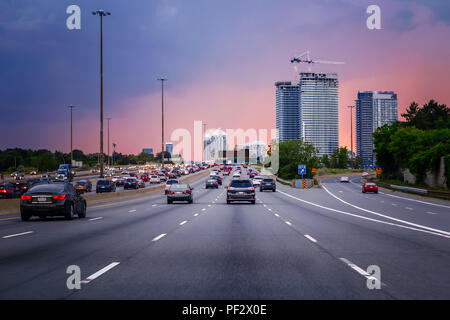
point(181, 223)
point(17, 234)
point(100, 272)
point(159, 237)
point(98, 218)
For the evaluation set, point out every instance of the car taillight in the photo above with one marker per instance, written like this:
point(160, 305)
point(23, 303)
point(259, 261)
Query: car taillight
point(25, 197)
point(187, 191)
point(263, 183)
point(3, 191)
point(170, 192)
point(273, 182)
point(251, 188)
point(59, 197)
point(230, 188)
point(215, 182)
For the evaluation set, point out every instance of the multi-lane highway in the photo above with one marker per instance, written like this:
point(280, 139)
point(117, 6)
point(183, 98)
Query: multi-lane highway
point(292, 244)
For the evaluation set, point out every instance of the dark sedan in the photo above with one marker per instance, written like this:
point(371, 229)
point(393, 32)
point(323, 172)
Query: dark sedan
point(267, 184)
point(217, 178)
point(241, 190)
point(211, 183)
point(84, 185)
point(131, 183)
point(105, 185)
point(179, 192)
point(52, 199)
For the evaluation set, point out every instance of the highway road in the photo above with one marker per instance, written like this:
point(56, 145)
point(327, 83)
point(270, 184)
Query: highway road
point(292, 244)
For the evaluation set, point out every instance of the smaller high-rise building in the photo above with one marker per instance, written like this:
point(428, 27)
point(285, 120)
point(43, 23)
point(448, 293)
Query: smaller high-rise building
point(169, 147)
point(287, 111)
point(373, 109)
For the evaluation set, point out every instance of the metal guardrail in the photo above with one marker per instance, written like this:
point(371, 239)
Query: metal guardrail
point(409, 189)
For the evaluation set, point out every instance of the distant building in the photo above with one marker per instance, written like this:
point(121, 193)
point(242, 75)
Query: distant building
point(169, 147)
point(257, 151)
point(373, 109)
point(287, 111)
point(308, 110)
point(215, 141)
point(148, 150)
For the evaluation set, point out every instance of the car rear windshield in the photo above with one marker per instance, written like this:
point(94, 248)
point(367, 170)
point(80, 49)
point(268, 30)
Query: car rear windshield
point(79, 183)
point(179, 186)
point(172, 182)
point(51, 187)
point(370, 184)
point(268, 180)
point(240, 184)
point(103, 182)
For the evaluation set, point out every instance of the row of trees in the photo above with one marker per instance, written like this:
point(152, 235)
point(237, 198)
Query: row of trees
point(418, 144)
point(295, 152)
point(44, 160)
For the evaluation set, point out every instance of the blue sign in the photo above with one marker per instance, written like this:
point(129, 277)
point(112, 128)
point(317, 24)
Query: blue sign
point(301, 169)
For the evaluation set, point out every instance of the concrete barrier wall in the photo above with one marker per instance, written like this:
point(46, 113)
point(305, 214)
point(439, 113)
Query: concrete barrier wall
point(9, 206)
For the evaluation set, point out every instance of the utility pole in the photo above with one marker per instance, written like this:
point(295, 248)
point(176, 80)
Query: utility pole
point(114, 152)
point(101, 14)
point(351, 132)
point(109, 162)
point(71, 140)
point(204, 142)
point(162, 120)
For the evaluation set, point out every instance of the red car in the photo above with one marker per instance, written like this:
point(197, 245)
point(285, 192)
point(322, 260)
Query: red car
point(369, 187)
point(145, 177)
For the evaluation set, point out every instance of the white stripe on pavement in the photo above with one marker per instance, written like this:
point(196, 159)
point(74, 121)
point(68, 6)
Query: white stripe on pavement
point(159, 237)
point(388, 217)
point(98, 218)
point(132, 210)
point(17, 234)
point(100, 272)
point(415, 200)
point(288, 223)
point(310, 238)
point(362, 217)
point(181, 223)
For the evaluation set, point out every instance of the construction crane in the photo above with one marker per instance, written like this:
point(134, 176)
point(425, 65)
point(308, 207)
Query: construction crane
point(305, 58)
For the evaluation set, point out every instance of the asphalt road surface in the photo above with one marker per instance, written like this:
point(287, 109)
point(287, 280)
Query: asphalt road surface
point(292, 244)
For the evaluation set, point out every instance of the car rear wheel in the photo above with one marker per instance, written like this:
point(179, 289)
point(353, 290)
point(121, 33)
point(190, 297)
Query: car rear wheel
point(253, 201)
point(169, 201)
point(69, 212)
point(82, 214)
point(228, 201)
point(24, 215)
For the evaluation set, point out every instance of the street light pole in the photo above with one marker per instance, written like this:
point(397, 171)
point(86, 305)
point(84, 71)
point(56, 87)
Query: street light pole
point(351, 131)
point(101, 14)
point(71, 140)
point(162, 120)
point(114, 152)
point(109, 162)
point(204, 142)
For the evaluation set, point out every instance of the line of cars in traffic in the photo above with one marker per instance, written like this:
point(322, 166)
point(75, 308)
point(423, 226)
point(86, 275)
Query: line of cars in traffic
point(239, 189)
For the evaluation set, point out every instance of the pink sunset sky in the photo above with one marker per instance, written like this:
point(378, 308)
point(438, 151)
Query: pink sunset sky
point(224, 75)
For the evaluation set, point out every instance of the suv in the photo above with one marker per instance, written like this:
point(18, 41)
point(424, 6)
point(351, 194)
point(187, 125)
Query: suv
point(131, 183)
point(267, 184)
point(105, 185)
point(241, 190)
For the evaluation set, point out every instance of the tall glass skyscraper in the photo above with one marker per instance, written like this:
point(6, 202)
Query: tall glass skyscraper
point(308, 109)
point(319, 110)
point(287, 111)
point(373, 109)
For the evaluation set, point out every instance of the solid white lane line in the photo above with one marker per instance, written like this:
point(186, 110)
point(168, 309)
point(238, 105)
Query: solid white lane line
point(288, 223)
point(388, 217)
point(132, 211)
point(310, 238)
point(159, 237)
point(359, 270)
point(98, 218)
point(415, 200)
point(100, 272)
point(17, 234)
point(181, 223)
point(195, 214)
point(362, 217)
